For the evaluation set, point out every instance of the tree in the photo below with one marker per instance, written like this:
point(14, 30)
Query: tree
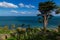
point(58, 10)
point(45, 8)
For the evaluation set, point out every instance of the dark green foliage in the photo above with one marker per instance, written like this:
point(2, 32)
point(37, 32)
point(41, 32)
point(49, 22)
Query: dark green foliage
point(46, 6)
point(59, 28)
point(35, 34)
point(12, 38)
point(58, 10)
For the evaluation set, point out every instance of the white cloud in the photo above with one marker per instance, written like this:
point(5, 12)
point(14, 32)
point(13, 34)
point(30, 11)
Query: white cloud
point(20, 12)
point(54, 14)
point(8, 5)
point(29, 12)
point(11, 5)
point(29, 6)
point(26, 6)
point(23, 12)
point(32, 6)
point(21, 5)
point(14, 11)
point(17, 12)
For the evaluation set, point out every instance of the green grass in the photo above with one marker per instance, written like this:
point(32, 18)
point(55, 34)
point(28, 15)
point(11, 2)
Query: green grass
point(30, 34)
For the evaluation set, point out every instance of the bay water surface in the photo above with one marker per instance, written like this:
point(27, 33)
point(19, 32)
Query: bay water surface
point(27, 20)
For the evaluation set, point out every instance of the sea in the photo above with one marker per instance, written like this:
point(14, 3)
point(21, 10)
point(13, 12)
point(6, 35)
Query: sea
point(27, 20)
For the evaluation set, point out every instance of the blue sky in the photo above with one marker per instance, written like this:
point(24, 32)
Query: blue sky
point(20, 7)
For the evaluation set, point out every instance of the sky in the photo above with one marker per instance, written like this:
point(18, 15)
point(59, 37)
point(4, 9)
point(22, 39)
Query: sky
point(20, 7)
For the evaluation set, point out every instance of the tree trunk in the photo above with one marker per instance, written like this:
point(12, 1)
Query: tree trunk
point(45, 23)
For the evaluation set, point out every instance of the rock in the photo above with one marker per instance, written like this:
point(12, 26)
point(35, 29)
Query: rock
point(2, 36)
point(58, 37)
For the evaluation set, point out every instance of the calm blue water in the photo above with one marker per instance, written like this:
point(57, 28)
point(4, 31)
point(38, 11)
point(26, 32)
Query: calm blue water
point(31, 20)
